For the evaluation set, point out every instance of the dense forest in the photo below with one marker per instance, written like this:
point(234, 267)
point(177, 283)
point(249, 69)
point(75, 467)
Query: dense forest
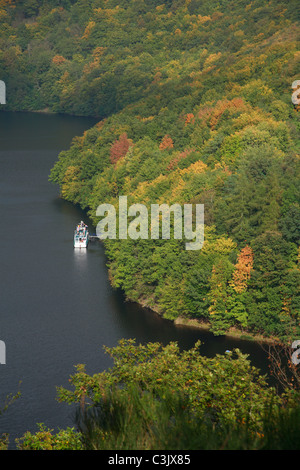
point(193, 103)
point(194, 106)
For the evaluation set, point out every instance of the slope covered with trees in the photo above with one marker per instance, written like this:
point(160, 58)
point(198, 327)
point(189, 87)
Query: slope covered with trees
point(194, 106)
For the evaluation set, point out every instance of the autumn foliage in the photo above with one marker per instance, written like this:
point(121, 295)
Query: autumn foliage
point(190, 118)
point(166, 143)
point(174, 162)
point(204, 92)
point(236, 104)
point(58, 60)
point(243, 268)
point(119, 148)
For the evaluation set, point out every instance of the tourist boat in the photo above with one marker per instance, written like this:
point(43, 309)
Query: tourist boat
point(81, 236)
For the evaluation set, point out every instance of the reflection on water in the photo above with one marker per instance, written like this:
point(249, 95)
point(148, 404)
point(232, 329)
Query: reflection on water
point(80, 263)
point(80, 257)
point(81, 268)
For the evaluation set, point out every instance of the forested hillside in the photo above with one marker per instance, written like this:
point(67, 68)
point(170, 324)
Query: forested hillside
point(194, 106)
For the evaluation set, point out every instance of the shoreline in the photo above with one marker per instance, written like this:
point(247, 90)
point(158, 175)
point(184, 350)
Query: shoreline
point(49, 111)
point(233, 332)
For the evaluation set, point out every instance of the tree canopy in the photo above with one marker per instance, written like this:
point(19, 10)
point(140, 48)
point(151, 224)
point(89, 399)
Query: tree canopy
point(194, 106)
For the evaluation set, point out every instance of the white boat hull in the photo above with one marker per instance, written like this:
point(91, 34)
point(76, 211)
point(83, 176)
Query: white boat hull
point(80, 244)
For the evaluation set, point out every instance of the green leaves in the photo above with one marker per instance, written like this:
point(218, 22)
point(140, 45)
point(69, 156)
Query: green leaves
point(194, 106)
point(151, 380)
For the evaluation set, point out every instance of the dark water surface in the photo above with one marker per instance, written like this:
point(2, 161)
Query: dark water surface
point(57, 308)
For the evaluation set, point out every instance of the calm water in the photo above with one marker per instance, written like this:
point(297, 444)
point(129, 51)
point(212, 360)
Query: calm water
point(57, 308)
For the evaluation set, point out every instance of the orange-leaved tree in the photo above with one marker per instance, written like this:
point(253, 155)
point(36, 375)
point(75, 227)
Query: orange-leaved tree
point(242, 270)
point(119, 148)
